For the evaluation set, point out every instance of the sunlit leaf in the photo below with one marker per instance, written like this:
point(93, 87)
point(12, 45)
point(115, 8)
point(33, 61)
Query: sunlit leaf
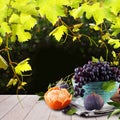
point(27, 21)
point(1, 41)
point(14, 18)
point(113, 5)
point(4, 28)
point(11, 82)
point(114, 42)
point(3, 63)
point(23, 66)
point(76, 13)
point(59, 32)
point(20, 32)
point(26, 6)
point(54, 6)
point(95, 27)
point(23, 83)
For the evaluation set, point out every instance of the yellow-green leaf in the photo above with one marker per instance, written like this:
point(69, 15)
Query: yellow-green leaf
point(114, 42)
point(23, 66)
point(11, 82)
point(54, 6)
point(20, 32)
point(27, 21)
point(4, 28)
point(1, 41)
point(14, 18)
point(59, 31)
point(3, 63)
point(23, 83)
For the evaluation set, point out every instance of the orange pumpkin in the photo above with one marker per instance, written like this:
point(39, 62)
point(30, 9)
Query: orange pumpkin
point(57, 98)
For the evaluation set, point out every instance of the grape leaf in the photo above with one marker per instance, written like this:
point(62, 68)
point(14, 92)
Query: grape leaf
point(74, 3)
point(27, 21)
point(4, 28)
point(23, 83)
point(11, 82)
point(54, 6)
point(3, 10)
point(22, 67)
point(14, 18)
point(114, 42)
point(77, 12)
point(59, 31)
point(108, 86)
point(1, 41)
point(18, 30)
point(3, 63)
point(26, 6)
point(113, 5)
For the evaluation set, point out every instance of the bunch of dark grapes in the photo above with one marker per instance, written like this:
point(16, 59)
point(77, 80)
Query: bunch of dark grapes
point(93, 72)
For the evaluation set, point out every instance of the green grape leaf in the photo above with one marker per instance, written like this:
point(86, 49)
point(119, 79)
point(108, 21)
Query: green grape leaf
point(3, 10)
point(1, 41)
point(27, 21)
point(23, 83)
point(3, 63)
point(96, 59)
point(77, 12)
point(74, 3)
point(26, 6)
point(11, 82)
point(59, 31)
point(23, 66)
point(108, 86)
point(113, 5)
point(48, 6)
point(4, 28)
point(98, 13)
point(95, 27)
point(114, 42)
point(14, 18)
point(18, 30)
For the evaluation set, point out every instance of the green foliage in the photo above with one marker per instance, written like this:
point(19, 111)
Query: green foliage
point(116, 111)
point(108, 86)
point(59, 31)
point(23, 66)
point(18, 19)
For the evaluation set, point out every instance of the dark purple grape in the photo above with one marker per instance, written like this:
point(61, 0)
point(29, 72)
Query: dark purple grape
point(95, 71)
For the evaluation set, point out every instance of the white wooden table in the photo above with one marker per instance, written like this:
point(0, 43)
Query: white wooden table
point(32, 109)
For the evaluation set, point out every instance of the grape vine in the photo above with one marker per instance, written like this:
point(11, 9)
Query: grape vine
point(19, 17)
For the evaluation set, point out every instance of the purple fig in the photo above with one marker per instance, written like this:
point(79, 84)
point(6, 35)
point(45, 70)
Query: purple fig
point(93, 101)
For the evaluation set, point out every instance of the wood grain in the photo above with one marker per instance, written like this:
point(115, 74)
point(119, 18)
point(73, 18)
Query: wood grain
point(31, 109)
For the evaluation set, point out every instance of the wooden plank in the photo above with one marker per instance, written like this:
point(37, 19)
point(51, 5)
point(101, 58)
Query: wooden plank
point(58, 115)
point(76, 117)
point(105, 118)
point(19, 112)
point(40, 111)
point(8, 104)
point(3, 97)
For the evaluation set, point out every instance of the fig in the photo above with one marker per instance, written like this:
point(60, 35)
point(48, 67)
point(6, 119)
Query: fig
point(93, 101)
